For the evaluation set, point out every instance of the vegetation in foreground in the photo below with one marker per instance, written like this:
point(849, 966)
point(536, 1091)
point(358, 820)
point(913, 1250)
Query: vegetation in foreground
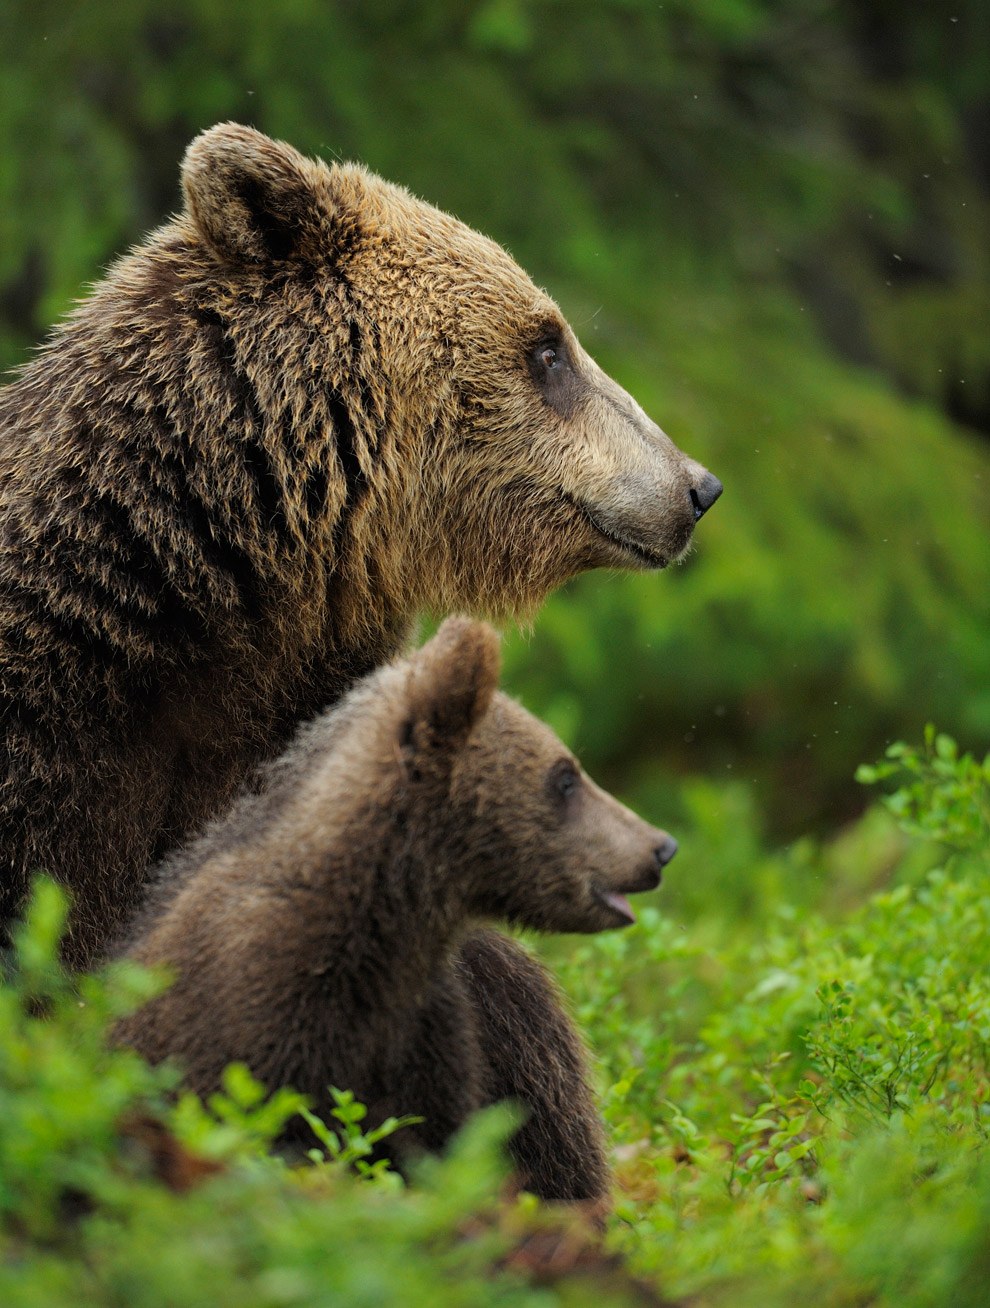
point(800, 1105)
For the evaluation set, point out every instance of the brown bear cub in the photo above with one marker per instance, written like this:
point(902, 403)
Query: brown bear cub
point(305, 410)
point(319, 932)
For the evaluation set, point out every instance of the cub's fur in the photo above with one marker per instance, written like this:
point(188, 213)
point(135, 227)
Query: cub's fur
point(326, 932)
point(304, 410)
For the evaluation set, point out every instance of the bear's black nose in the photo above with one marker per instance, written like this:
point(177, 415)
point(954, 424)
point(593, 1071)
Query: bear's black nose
point(704, 495)
point(663, 853)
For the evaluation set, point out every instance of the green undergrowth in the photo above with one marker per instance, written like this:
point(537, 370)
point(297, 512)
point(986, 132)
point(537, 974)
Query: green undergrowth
point(792, 1048)
point(799, 1086)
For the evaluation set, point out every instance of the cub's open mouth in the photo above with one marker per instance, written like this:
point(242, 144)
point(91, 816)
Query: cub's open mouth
point(616, 902)
point(646, 556)
point(614, 897)
point(619, 904)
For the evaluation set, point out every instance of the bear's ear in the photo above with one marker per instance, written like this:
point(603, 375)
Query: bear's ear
point(255, 200)
point(451, 684)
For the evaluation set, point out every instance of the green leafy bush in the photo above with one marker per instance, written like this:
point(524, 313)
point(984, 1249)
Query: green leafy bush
point(789, 1087)
point(62, 1092)
point(943, 796)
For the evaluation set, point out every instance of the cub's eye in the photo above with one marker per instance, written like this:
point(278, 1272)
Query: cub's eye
point(548, 357)
point(564, 779)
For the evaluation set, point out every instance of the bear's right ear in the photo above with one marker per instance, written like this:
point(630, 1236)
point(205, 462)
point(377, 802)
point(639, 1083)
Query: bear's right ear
point(451, 684)
point(255, 200)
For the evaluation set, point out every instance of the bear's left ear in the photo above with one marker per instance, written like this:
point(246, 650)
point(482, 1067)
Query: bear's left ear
point(451, 684)
point(255, 200)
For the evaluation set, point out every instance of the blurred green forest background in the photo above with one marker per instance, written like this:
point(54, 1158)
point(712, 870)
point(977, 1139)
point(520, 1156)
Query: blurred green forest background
point(768, 220)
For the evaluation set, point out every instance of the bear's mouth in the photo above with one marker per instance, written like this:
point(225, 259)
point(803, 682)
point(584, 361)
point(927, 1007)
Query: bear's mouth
point(647, 556)
point(618, 904)
point(615, 897)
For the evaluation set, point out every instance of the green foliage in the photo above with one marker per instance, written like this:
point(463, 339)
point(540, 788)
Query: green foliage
point(944, 796)
point(241, 1121)
point(62, 1092)
point(347, 1142)
point(791, 1087)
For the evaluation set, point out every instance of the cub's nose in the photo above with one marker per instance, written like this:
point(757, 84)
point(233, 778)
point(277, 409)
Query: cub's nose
point(664, 852)
point(704, 495)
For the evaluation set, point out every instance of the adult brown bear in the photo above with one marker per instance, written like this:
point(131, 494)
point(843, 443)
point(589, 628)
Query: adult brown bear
point(303, 411)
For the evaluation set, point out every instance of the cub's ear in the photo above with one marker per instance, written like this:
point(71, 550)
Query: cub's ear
point(255, 200)
point(451, 684)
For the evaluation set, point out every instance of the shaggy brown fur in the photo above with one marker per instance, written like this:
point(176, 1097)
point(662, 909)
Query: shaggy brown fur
point(305, 409)
point(316, 934)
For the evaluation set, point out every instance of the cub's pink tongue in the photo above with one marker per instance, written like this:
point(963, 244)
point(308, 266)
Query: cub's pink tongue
point(620, 904)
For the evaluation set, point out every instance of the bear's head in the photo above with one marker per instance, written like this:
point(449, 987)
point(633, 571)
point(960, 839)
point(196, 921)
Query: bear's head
point(531, 838)
point(477, 455)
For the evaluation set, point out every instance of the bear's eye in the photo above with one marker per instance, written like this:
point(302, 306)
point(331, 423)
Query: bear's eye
point(549, 356)
point(564, 779)
point(552, 368)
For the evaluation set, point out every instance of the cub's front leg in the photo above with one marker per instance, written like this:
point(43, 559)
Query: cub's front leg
point(534, 1055)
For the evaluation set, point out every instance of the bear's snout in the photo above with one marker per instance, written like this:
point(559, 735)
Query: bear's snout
point(649, 873)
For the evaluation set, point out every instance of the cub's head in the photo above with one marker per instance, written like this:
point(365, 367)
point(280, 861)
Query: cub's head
point(477, 457)
point(535, 840)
